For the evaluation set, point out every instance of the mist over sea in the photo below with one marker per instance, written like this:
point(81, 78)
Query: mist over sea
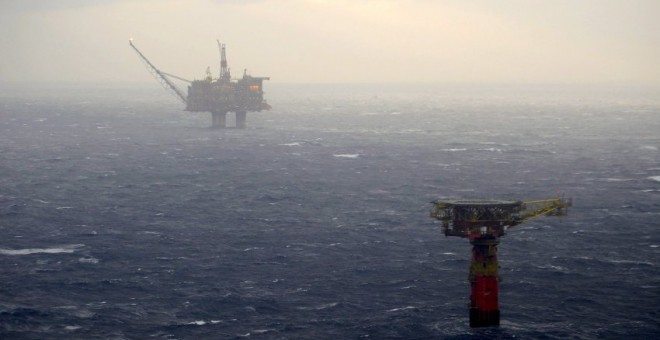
point(124, 217)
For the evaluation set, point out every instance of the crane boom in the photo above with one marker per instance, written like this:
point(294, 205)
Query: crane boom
point(548, 207)
point(176, 77)
point(159, 75)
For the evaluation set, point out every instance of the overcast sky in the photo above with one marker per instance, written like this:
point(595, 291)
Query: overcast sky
point(330, 41)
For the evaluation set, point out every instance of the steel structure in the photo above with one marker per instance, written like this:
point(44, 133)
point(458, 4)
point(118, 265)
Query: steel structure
point(217, 96)
point(483, 223)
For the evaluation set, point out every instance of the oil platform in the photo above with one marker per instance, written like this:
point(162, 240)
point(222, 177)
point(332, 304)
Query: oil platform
point(217, 96)
point(483, 223)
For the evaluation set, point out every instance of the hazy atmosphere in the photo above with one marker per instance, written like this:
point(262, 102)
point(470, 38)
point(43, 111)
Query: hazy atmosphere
point(318, 41)
point(307, 205)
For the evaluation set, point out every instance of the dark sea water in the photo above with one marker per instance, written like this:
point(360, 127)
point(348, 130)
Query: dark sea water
point(124, 217)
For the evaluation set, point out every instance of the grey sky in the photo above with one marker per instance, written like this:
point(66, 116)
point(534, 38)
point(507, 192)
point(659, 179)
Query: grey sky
point(512, 41)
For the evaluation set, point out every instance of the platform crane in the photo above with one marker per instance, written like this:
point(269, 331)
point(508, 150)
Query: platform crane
point(161, 76)
point(483, 222)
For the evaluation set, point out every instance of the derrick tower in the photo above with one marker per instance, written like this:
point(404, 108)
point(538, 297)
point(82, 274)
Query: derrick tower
point(217, 96)
point(483, 223)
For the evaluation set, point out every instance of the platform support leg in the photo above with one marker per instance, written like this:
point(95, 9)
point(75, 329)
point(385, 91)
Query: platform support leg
point(484, 281)
point(241, 119)
point(219, 119)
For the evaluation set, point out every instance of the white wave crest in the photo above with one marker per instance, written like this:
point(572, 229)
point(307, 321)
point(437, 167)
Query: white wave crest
point(347, 155)
point(68, 249)
point(89, 259)
point(202, 322)
point(400, 309)
point(320, 307)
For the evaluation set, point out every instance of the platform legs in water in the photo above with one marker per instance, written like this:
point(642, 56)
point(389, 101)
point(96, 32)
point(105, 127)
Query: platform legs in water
point(241, 118)
point(219, 120)
point(484, 279)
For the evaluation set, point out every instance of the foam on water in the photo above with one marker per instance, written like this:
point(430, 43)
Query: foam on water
point(400, 309)
point(202, 322)
point(320, 307)
point(68, 249)
point(89, 260)
point(347, 155)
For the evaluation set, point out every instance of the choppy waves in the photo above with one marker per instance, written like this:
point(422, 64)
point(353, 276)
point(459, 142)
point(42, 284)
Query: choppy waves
point(313, 222)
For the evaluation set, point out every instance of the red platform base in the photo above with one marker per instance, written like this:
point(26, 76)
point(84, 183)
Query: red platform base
point(480, 318)
point(484, 304)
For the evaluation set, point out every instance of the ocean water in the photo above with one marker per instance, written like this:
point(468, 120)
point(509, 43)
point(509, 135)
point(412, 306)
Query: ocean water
point(124, 217)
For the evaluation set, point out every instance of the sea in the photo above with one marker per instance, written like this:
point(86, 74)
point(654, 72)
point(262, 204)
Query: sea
point(122, 216)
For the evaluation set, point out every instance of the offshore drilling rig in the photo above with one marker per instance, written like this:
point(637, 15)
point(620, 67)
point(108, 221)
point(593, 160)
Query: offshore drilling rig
point(483, 223)
point(218, 96)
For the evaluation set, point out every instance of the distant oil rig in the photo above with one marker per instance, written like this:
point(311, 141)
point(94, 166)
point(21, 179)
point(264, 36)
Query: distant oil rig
point(483, 223)
point(218, 96)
